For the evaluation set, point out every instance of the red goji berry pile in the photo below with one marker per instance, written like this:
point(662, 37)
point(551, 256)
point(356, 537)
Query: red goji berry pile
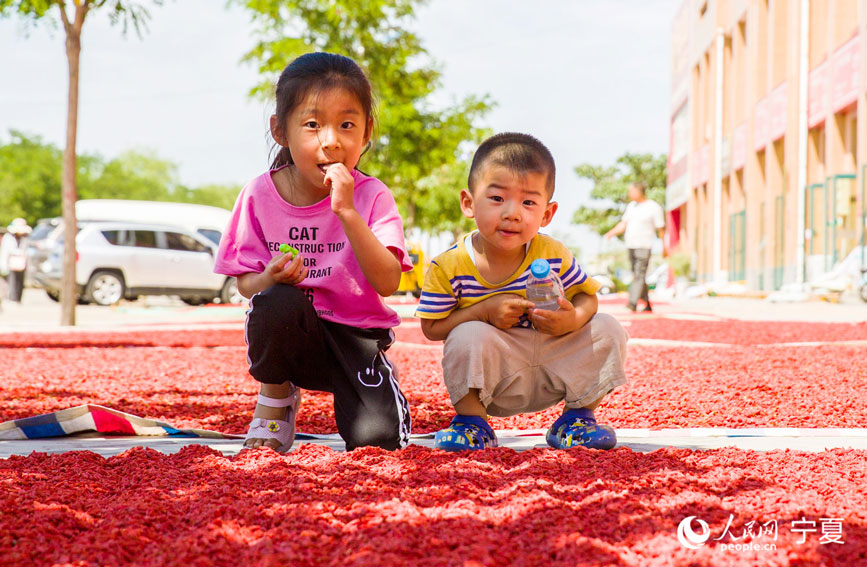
point(205, 384)
point(115, 338)
point(423, 507)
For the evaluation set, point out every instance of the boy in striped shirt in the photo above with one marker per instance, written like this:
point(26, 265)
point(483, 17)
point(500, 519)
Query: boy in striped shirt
point(502, 356)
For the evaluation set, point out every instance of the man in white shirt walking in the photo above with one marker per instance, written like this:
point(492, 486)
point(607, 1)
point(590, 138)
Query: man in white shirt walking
point(642, 222)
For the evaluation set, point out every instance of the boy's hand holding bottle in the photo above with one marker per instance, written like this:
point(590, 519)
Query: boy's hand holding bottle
point(551, 313)
point(557, 322)
point(505, 309)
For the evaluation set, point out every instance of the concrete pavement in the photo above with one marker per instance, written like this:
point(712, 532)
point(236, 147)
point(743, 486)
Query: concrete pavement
point(37, 312)
point(639, 440)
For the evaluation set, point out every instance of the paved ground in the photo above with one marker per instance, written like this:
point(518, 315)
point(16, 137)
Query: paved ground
point(38, 313)
point(641, 440)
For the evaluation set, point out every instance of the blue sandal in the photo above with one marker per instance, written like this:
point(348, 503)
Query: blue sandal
point(466, 432)
point(578, 427)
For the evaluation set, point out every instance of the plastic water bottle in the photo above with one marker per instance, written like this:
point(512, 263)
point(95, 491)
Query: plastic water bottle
point(543, 286)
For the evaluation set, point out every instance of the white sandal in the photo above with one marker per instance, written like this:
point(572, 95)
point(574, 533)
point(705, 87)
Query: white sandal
point(283, 430)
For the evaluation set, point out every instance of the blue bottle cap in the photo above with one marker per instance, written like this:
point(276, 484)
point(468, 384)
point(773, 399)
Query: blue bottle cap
point(540, 268)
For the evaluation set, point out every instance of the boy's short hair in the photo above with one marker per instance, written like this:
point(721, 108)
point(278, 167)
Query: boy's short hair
point(520, 153)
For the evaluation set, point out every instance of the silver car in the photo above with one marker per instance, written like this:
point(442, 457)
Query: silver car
point(117, 260)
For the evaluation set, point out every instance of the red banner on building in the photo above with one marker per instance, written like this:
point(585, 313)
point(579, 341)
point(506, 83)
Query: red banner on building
point(818, 92)
point(845, 74)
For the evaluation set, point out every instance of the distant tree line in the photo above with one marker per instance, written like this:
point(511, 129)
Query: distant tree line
point(30, 178)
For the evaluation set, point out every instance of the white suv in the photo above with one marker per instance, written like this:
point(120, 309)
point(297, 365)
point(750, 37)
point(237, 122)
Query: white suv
point(118, 260)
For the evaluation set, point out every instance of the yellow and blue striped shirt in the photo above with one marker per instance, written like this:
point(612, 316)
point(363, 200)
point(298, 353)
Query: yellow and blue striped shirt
point(452, 280)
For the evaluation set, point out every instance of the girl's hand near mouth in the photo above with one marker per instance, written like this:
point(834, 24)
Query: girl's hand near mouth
point(339, 179)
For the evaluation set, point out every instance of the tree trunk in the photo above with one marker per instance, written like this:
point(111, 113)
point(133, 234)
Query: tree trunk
point(68, 295)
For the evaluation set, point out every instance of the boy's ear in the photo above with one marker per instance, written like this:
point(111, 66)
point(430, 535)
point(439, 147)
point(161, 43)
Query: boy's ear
point(277, 130)
point(550, 209)
point(467, 203)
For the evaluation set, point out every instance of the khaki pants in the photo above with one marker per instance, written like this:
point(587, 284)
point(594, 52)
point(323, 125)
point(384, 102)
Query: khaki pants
point(522, 370)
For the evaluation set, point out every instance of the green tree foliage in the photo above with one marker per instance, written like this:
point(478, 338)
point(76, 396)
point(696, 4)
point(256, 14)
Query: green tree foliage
point(418, 143)
point(133, 175)
point(610, 185)
point(215, 195)
point(437, 203)
point(30, 180)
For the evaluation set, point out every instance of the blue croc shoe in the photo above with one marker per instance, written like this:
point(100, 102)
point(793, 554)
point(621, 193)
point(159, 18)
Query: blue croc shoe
point(465, 432)
point(578, 427)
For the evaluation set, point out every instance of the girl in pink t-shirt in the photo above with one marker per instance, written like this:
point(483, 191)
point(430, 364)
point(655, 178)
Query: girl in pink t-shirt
point(317, 319)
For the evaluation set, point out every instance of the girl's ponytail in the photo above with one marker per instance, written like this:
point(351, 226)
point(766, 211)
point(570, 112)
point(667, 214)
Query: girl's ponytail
point(282, 158)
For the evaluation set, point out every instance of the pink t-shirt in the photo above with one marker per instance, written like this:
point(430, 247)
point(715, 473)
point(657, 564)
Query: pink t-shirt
point(262, 220)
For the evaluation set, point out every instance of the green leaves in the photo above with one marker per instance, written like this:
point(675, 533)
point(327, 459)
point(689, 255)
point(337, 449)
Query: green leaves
point(29, 8)
point(125, 13)
point(30, 180)
point(610, 184)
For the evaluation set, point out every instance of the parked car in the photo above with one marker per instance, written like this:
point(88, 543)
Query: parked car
point(411, 281)
point(40, 245)
point(608, 285)
point(205, 220)
point(117, 260)
point(658, 278)
point(862, 285)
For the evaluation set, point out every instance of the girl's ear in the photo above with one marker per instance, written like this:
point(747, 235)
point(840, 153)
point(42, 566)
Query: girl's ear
point(277, 131)
point(368, 132)
point(467, 204)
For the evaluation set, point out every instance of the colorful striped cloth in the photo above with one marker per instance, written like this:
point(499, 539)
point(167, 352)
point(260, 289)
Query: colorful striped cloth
point(91, 417)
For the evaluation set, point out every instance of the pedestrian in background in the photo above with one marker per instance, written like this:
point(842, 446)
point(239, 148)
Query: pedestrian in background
point(13, 257)
point(642, 222)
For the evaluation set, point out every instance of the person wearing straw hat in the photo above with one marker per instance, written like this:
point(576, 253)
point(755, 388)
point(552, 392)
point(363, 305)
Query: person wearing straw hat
point(13, 256)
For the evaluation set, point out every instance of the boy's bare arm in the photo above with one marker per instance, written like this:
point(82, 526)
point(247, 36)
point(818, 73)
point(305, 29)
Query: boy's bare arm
point(586, 307)
point(502, 311)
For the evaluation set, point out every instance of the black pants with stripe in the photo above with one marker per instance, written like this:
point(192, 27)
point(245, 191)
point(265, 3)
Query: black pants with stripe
point(286, 340)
